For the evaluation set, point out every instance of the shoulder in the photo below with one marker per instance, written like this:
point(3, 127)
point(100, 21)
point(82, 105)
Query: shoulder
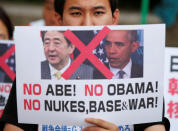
point(141, 127)
point(137, 66)
point(45, 70)
point(44, 62)
point(136, 71)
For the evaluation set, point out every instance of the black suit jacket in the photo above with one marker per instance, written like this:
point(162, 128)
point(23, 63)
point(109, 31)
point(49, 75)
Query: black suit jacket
point(136, 72)
point(82, 72)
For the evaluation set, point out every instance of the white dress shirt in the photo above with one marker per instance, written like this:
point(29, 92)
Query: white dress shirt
point(126, 69)
point(54, 71)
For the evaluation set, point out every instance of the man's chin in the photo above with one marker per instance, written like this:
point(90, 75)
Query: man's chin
point(53, 62)
point(114, 65)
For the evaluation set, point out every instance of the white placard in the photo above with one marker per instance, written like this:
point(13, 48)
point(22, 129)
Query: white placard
point(7, 71)
point(69, 102)
point(171, 86)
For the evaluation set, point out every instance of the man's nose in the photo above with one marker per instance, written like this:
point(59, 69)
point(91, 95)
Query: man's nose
point(112, 48)
point(87, 20)
point(51, 46)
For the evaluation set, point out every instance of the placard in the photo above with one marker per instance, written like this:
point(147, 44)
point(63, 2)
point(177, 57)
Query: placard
point(89, 85)
point(171, 86)
point(7, 71)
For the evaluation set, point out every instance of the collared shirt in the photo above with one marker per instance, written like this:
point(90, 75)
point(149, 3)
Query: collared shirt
point(54, 71)
point(126, 69)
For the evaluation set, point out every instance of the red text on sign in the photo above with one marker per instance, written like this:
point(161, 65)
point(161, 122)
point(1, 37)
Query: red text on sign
point(173, 86)
point(5, 88)
point(173, 109)
point(30, 89)
point(92, 90)
point(31, 104)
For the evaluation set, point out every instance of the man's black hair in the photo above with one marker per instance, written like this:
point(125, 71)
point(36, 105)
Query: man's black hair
point(59, 6)
point(44, 32)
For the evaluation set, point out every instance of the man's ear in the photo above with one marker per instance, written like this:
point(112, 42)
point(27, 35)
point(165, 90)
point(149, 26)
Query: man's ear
point(72, 48)
point(135, 46)
point(58, 18)
point(115, 17)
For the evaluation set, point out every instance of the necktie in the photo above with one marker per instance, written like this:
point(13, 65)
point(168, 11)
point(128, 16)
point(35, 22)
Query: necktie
point(58, 75)
point(121, 74)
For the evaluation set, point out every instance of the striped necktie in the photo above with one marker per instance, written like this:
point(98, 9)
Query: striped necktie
point(121, 74)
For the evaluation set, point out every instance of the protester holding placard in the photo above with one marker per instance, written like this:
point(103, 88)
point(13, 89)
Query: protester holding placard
point(79, 12)
point(6, 33)
point(7, 58)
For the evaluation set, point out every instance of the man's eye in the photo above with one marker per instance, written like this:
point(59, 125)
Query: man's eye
point(56, 43)
point(119, 43)
point(46, 43)
point(98, 13)
point(76, 13)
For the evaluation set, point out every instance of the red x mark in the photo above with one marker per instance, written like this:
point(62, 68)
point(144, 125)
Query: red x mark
point(86, 53)
point(1, 111)
point(5, 66)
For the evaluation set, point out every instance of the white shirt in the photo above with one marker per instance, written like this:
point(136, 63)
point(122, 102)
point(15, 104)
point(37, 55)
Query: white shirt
point(54, 71)
point(38, 23)
point(126, 69)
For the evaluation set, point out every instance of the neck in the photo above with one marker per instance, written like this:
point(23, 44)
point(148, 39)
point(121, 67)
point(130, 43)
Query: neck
point(61, 65)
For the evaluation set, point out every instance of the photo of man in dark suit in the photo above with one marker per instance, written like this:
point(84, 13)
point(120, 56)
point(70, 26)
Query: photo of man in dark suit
point(57, 51)
point(119, 45)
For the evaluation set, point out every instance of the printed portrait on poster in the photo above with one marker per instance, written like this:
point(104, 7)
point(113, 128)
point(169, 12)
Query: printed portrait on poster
point(7, 66)
point(58, 50)
point(120, 51)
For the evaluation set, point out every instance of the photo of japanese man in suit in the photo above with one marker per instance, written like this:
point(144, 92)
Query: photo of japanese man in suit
point(57, 50)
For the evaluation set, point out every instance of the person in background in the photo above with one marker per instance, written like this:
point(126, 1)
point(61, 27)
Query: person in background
point(6, 27)
point(6, 33)
point(167, 10)
point(48, 15)
point(78, 13)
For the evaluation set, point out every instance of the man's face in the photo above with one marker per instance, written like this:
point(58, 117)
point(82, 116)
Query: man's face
point(119, 48)
point(56, 49)
point(88, 12)
point(49, 13)
point(3, 31)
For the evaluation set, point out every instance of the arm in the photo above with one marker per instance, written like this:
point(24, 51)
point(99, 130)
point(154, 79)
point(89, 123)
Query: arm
point(157, 127)
point(100, 125)
point(10, 127)
point(9, 118)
